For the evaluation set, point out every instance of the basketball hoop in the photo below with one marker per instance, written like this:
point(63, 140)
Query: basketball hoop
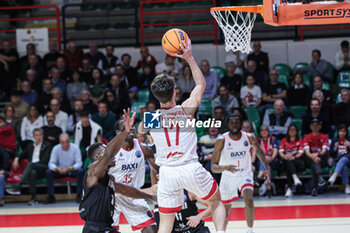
point(237, 24)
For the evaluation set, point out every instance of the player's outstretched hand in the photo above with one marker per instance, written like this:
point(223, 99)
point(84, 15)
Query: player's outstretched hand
point(129, 122)
point(154, 197)
point(193, 221)
point(187, 50)
point(231, 168)
point(267, 175)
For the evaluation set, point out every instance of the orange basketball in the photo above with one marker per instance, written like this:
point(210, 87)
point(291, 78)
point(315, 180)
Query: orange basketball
point(171, 41)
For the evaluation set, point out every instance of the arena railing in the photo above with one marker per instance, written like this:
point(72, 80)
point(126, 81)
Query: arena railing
point(144, 13)
point(56, 17)
point(109, 13)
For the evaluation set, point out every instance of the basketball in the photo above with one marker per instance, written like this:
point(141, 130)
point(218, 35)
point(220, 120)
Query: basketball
point(171, 41)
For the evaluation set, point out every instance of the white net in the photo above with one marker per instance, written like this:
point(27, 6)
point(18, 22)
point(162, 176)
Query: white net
point(237, 27)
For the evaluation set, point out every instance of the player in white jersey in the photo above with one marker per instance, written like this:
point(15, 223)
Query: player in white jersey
point(232, 158)
point(176, 150)
point(129, 169)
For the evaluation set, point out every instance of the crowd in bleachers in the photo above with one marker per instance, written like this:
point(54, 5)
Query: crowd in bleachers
point(61, 103)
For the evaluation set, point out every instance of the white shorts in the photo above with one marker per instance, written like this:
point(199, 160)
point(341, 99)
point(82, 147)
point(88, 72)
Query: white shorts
point(173, 180)
point(136, 211)
point(229, 186)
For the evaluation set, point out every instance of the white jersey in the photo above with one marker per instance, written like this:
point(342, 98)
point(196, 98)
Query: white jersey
point(129, 166)
point(175, 143)
point(236, 152)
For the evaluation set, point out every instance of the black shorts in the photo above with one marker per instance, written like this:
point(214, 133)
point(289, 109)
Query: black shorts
point(94, 227)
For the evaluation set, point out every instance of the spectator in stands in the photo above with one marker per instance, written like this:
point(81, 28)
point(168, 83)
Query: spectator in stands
point(96, 58)
point(55, 76)
point(89, 106)
point(111, 100)
point(10, 56)
point(61, 118)
point(4, 79)
point(130, 71)
point(62, 99)
point(119, 70)
point(318, 67)
point(341, 111)
point(146, 58)
point(74, 117)
point(65, 73)
point(318, 85)
point(291, 151)
point(51, 131)
point(51, 57)
point(133, 94)
point(278, 121)
point(206, 143)
point(211, 79)
point(340, 148)
point(112, 60)
point(97, 86)
point(186, 82)
point(28, 95)
point(75, 88)
point(238, 58)
point(118, 86)
point(34, 64)
point(30, 122)
point(44, 98)
point(73, 56)
point(272, 91)
point(315, 112)
point(270, 148)
point(232, 80)
point(168, 66)
point(87, 132)
point(7, 138)
point(342, 57)
point(86, 70)
point(146, 77)
point(35, 83)
point(30, 50)
point(15, 122)
point(38, 155)
point(250, 93)
point(316, 149)
point(225, 100)
point(298, 91)
point(65, 161)
point(18, 104)
point(106, 120)
point(326, 107)
point(219, 115)
point(259, 76)
point(5, 132)
point(261, 58)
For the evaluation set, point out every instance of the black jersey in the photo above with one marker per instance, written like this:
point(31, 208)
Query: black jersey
point(97, 204)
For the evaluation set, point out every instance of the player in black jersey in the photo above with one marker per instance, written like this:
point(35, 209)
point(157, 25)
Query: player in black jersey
point(97, 205)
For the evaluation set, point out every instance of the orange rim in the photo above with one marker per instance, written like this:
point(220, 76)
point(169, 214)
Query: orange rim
point(254, 9)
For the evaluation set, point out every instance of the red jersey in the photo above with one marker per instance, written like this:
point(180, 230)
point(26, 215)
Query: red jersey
point(316, 143)
point(293, 148)
point(268, 146)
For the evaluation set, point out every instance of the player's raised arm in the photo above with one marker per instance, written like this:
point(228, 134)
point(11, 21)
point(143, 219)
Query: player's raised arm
point(215, 167)
point(149, 155)
point(196, 96)
point(261, 155)
point(130, 191)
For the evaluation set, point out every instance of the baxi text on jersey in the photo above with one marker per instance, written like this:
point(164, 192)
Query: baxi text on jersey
point(238, 154)
point(187, 123)
point(129, 166)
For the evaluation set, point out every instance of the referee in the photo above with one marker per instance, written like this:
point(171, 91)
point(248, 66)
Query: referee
point(97, 205)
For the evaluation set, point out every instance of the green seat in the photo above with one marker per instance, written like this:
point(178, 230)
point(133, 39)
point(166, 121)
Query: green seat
point(283, 69)
point(331, 70)
point(297, 110)
point(88, 7)
point(200, 132)
point(125, 6)
point(343, 79)
point(107, 7)
point(41, 181)
point(82, 27)
point(326, 86)
point(253, 116)
point(102, 26)
point(87, 163)
point(205, 107)
point(283, 78)
point(135, 107)
point(300, 65)
point(307, 79)
point(143, 95)
point(221, 72)
point(269, 110)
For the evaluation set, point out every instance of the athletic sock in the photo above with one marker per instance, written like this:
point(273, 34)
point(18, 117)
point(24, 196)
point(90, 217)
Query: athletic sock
point(220, 232)
point(250, 230)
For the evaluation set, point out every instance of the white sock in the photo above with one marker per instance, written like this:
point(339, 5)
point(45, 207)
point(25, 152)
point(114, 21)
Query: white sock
point(220, 232)
point(250, 230)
